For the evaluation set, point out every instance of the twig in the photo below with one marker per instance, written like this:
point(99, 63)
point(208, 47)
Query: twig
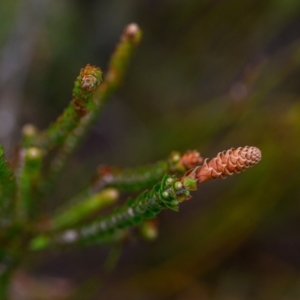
point(113, 79)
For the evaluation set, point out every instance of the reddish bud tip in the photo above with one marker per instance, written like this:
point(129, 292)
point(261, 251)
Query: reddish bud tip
point(228, 162)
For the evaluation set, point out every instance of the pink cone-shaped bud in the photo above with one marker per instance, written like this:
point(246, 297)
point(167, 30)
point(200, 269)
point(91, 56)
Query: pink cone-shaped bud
point(228, 162)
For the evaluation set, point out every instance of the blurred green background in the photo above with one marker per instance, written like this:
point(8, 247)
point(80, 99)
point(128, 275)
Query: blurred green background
point(208, 75)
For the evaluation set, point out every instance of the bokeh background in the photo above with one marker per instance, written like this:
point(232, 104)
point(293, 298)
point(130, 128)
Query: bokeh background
point(208, 75)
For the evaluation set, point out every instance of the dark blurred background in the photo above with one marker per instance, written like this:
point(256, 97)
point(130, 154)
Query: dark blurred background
point(208, 75)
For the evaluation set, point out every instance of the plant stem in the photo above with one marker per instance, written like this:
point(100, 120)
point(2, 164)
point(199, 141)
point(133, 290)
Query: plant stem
point(27, 178)
point(81, 104)
point(166, 194)
point(5, 283)
point(73, 214)
point(112, 81)
point(141, 178)
point(7, 189)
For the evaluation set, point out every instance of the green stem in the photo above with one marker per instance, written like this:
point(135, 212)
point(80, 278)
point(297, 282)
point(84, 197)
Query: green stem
point(5, 283)
point(82, 104)
point(73, 214)
point(165, 195)
point(140, 178)
point(7, 189)
point(29, 135)
point(113, 79)
point(28, 176)
point(8, 264)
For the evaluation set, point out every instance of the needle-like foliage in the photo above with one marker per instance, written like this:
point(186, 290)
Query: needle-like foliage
point(82, 219)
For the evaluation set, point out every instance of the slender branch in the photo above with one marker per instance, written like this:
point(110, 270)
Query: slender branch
point(113, 79)
point(119, 63)
point(232, 161)
point(5, 283)
point(82, 104)
point(73, 215)
point(7, 189)
point(167, 194)
point(28, 176)
point(8, 263)
point(136, 179)
point(29, 135)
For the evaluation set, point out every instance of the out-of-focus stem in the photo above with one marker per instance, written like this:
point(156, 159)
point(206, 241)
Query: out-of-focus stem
point(167, 194)
point(81, 104)
point(7, 189)
point(113, 79)
point(5, 282)
point(28, 176)
point(73, 215)
point(29, 135)
point(136, 179)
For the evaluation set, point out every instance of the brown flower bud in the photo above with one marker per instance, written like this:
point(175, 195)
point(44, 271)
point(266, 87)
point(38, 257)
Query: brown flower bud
point(191, 159)
point(227, 163)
